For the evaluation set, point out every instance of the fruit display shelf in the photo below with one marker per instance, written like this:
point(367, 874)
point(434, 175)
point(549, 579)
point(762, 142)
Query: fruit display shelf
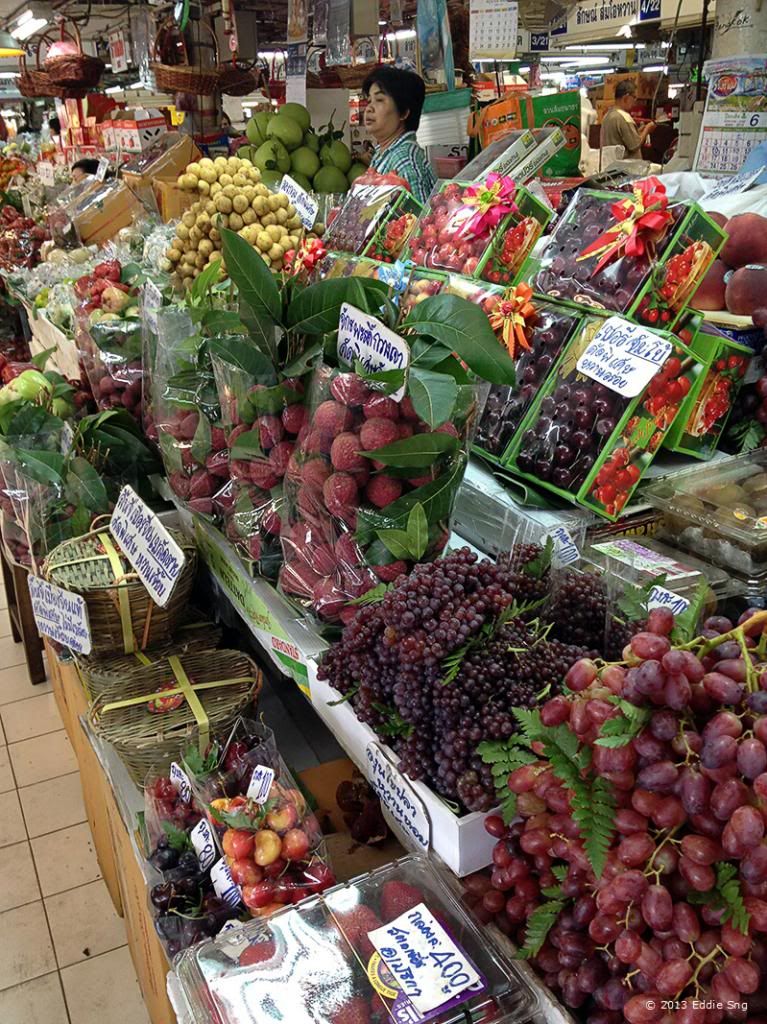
point(375, 220)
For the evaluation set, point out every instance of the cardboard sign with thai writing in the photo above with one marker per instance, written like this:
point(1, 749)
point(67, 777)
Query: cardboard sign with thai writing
point(624, 357)
point(398, 797)
point(147, 545)
point(260, 783)
point(306, 207)
point(364, 338)
point(180, 782)
point(203, 843)
point(46, 173)
point(428, 966)
point(60, 614)
point(565, 549)
point(224, 885)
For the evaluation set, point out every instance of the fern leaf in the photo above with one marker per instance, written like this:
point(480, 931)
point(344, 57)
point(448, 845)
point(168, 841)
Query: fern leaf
point(539, 924)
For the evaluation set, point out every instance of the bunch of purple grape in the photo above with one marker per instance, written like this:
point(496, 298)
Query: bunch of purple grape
point(674, 926)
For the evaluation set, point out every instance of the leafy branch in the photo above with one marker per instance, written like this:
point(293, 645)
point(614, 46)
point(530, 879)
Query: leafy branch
point(541, 921)
point(504, 757)
point(622, 728)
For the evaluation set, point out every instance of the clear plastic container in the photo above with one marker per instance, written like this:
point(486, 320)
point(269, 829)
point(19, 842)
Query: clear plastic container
point(315, 963)
point(719, 512)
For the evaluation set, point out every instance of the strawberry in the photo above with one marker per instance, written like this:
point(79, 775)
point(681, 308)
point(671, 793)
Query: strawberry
point(257, 953)
point(397, 898)
point(355, 926)
point(353, 1011)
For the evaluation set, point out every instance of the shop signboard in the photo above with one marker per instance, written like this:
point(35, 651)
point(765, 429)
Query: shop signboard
point(735, 117)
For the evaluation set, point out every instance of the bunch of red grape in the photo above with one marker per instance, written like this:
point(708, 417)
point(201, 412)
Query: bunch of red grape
point(671, 926)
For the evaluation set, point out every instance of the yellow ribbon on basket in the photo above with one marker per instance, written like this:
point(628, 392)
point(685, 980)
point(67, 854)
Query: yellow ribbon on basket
point(123, 598)
point(187, 690)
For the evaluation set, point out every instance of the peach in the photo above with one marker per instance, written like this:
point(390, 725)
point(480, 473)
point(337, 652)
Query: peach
point(267, 847)
point(746, 289)
point(747, 241)
point(710, 293)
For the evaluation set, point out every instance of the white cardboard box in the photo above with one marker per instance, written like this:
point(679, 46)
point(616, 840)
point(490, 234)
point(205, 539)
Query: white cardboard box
point(462, 843)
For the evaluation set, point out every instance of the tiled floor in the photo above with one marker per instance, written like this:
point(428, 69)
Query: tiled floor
point(63, 952)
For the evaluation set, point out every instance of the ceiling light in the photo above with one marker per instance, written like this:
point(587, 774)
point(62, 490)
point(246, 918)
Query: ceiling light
point(595, 71)
point(656, 67)
point(25, 30)
point(9, 74)
point(606, 46)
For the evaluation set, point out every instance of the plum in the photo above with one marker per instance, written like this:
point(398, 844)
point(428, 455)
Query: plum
point(718, 218)
point(746, 289)
point(747, 241)
point(710, 293)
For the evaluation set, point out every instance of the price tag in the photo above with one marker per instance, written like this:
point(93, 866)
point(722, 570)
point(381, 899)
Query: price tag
point(731, 186)
point(662, 598)
point(147, 545)
point(103, 167)
point(400, 800)
point(60, 615)
point(260, 784)
point(565, 549)
point(306, 207)
point(180, 782)
point(624, 357)
point(46, 173)
point(67, 438)
point(427, 965)
point(224, 885)
point(204, 846)
point(364, 338)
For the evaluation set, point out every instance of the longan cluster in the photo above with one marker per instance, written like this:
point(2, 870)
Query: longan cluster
point(231, 195)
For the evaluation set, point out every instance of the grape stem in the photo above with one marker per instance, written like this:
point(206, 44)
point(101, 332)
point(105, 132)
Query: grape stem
point(751, 681)
point(649, 866)
point(757, 619)
point(715, 952)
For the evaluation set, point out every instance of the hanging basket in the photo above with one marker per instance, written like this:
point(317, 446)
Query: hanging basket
point(352, 76)
point(122, 615)
point(37, 84)
point(184, 77)
point(236, 78)
point(162, 708)
point(104, 676)
point(74, 70)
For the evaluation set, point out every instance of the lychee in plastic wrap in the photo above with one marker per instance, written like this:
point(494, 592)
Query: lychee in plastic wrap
point(262, 419)
point(333, 959)
point(110, 352)
point(270, 838)
point(191, 436)
point(340, 501)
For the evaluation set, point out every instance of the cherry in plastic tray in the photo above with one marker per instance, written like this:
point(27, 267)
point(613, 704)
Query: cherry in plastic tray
point(326, 962)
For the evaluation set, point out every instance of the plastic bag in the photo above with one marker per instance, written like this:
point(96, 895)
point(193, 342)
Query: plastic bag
point(271, 840)
point(375, 220)
point(262, 419)
point(341, 505)
point(190, 433)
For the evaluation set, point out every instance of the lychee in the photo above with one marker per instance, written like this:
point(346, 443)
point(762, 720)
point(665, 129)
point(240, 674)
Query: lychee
point(188, 461)
point(188, 426)
point(271, 521)
point(380, 406)
point(389, 573)
point(448, 428)
point(349, 389)
point(332, 418)
point(377, 433)
point(298, 579)
point(217, 439)
point(328, 599)
point(200, 484)
point(234, 434)
point(293, 417)
point(383, 490)
point(279, 457)
point(343, 453)
point(270, 430)
point(202, 505)
point(405, 430)
point(315, 472)
point(421, 481)
point(253, 545)
point(179, 484)
point(348, 552)
point(262, 474)
point(406, 409)
point(321, 558)
point(217, 463)
point(239, 469)
point(340, 492)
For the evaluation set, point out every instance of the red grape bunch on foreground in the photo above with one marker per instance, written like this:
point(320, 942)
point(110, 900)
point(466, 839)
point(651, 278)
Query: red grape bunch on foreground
point(634, 872)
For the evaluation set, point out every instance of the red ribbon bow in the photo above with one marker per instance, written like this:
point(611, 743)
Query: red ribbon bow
point(513, 317)
point(639, 220)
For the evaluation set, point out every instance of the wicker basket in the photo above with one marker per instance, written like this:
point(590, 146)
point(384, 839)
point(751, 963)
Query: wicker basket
point(74, 70)
point(122, 615)
point(102, 677)
point(236, 78)
point(163, 708)
point(353, 75)
point(37, 83)
point(184, 77)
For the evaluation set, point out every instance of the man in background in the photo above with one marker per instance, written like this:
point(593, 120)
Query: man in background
point(618, 127)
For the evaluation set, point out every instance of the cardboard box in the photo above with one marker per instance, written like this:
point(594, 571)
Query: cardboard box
point(152, 176)
point(644, 84)
point(139, 129)
point(171, 200)
point(104, 211)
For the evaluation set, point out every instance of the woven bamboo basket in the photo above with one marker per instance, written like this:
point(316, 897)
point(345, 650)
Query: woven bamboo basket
point(74, 70)
point(105, 677)
point(36, 83)
point(164, 707)
point(236, 78)
point(184, 77)
point(353, 75)
point(122, 615)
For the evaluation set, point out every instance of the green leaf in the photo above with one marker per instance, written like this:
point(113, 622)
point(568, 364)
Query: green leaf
point(540, 565)
point(386, 382)
point(373, 596)
point(417, 452)
point(80, 521)
point(201, 442)
point(686, 624)
point(245, 356)
point(305, 361)
point(463, 328)
point(634, 600)
point(247, 446)
point(621, 730)
point(436, 497)
point(397, 541)
point(726, 895)
point(171, 453)
point(44, 467)
point(394, 724)
point(28, 419)
point(203, 283)
point(222, 321)
point(418, 531)
point(433, 395)
point(427, 353)
point(318, 308)
point(86, 486)
point(538, 926)
point(42, 357)
point(260, 302)
point(177, 837)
